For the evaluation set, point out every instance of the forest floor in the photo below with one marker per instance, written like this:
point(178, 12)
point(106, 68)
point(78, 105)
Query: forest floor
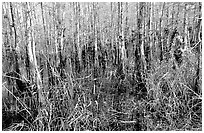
point(169, 103)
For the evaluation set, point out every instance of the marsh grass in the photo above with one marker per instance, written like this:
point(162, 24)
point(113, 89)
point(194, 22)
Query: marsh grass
point(171, 102)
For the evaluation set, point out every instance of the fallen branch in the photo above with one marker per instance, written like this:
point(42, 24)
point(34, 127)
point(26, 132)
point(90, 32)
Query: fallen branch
point(128, 122)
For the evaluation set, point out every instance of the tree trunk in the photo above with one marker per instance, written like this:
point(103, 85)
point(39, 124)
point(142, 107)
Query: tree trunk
point(14, 53)
point(32, 58)
point(160, 34)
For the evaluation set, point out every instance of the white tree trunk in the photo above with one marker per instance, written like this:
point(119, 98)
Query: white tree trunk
point(32, 58)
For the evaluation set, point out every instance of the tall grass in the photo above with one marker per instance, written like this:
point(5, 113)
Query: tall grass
point(171, 102)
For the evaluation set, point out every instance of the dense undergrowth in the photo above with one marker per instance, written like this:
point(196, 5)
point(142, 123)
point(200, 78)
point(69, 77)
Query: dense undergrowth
point(172, 101)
